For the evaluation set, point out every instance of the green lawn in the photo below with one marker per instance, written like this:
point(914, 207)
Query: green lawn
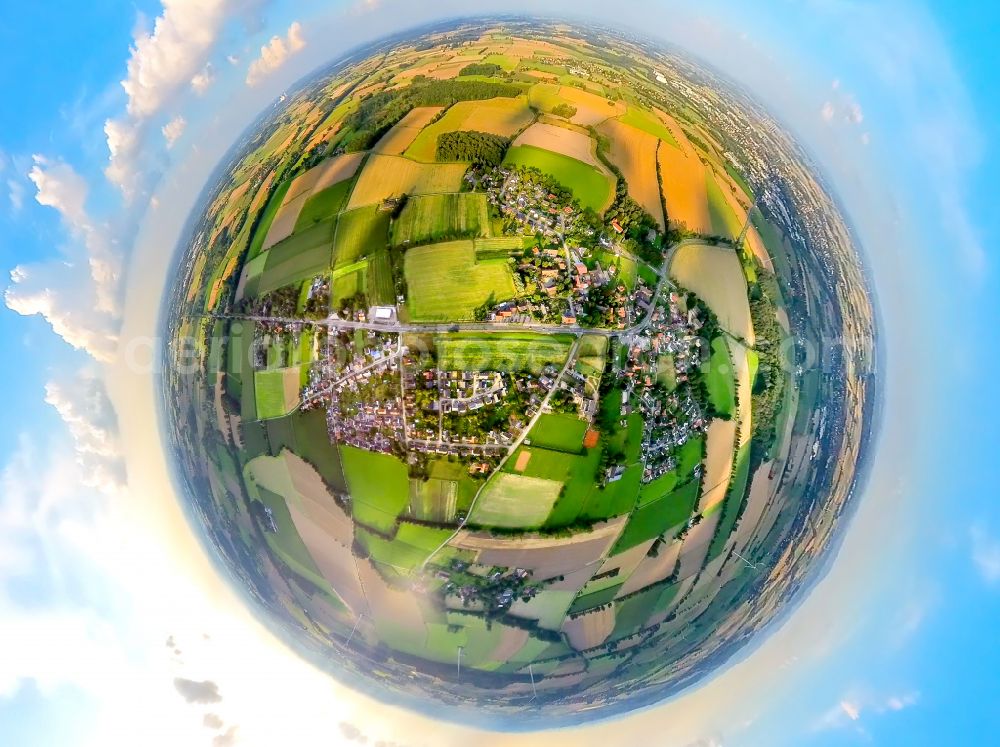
point(427, 218)
point(324, 204)
point(269, 391)
point(266, 218)
point(300, 257)
point(590, 186)
point(360, 233)
point(379, 487)
point(497, 351)
point(648, 122)
point(446, 283)
point(515, 501)
point(559, 432)
point(719, 379)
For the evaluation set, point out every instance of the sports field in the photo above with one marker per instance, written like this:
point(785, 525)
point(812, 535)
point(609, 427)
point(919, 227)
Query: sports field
point(634, 152)
point(379, 485)
point(429, 218)
point(393, 176)
point(515, 501)
point(500, 116)
point(590, 186)
point(559, 432)
point(276, 391)
point(446, 283)
point(360, 233)
point(499, 351)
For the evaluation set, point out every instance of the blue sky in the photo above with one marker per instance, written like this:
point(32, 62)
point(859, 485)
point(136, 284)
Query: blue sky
point(896, 646)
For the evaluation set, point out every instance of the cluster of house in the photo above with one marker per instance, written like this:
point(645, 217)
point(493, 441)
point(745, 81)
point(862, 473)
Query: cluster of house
point(495, 592)
point(668, 350)
point(527, 202)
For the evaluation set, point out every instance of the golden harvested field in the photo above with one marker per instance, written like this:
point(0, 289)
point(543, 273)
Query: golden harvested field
point(591, 629)
point(388, 176)
point(716, 275)
point(499, 116)
point(591, 109)
point(684, 188)
point(652, 569)
point(546, 556)
point(719, 455)
point(744, 390)
point(335, 170)
point(634, 152)
point(562, 140)
point(284, 221)
point(696, 545)
point(398, 139)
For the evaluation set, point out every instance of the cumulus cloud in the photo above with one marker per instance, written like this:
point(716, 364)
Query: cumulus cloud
point(827, 112)
point(173, 129)
point(165, 61)
point(986, 555)
point(275, 53)
point(203, 80)
point(83, 405)
point(204, 692)
point(227, 739)
point(79, 294)
point(352, 732)
point(213, 721)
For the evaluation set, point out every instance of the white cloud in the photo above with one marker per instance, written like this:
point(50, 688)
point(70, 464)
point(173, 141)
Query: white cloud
point(203, 80)
point(275, 53)
point(15, 192)
point(986, 555)
point(852, 708)
point(827, 112)
point(173, 129)
point(854, 113)
point(233, 59)
point(78, 294)
point(164, 62)
point(83, 404)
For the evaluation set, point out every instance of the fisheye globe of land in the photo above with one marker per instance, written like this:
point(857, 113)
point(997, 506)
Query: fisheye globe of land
point(511, 393)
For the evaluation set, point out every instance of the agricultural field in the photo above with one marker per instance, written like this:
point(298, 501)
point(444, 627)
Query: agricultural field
point(563, 140)
point(379, 486)
point(649, 123)
point(634, 152)
point(447, 283)
point(393, 176)
point(360, 233)
point(379, 281)
point(500, 351)
point(719, 380)
point(299, 257)
point(593, 188)
point(401, 136)
point(267, 218)
point(502, 116)
point(276, 392)
point(559, 432)
point(716, 275)
point(430, 218)
point(324, 205)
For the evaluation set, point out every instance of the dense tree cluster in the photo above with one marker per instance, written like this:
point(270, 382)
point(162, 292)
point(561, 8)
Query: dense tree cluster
point(486, 69)
point(564, 110)
point(480, 148)
point(377, 113)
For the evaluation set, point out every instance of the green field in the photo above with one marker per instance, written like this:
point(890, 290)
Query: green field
point(379, 485)
point(648, 122)
point(324, 204)
point(428, 218)
point(719, 379)
point(267, 217)
point(408, 550)
point(379, 286)
point(515, 501)
point(559, 432)
point(590, 186)
point(300, 257)
point(499, 116)
point(724, 220)
point(500, 351)
point(269, 392)
point(446, 283)
point(360, 233)
point(653, 519)
point(733, 502)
